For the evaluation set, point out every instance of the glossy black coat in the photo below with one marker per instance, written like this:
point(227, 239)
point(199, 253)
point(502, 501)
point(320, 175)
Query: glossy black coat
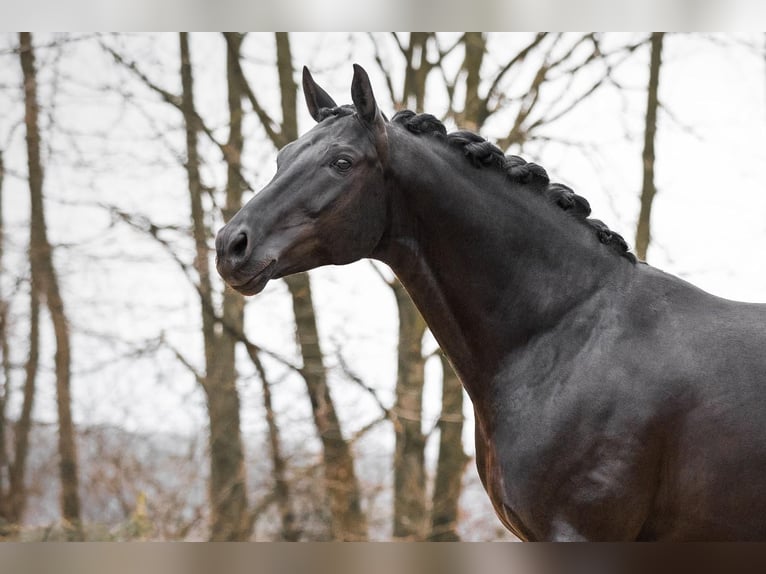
point(613, 401)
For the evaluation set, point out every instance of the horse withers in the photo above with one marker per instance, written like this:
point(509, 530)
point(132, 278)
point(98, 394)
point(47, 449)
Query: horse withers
point(613, 401)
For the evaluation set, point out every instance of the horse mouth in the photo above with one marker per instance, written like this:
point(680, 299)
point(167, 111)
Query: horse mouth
point(258, 281)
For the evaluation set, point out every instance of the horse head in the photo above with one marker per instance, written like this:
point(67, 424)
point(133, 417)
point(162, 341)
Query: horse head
point(326, 204)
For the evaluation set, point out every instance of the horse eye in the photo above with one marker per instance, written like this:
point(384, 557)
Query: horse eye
point(342, 164)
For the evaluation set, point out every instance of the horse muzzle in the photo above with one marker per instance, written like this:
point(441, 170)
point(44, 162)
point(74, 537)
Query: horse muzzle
point(236, 263)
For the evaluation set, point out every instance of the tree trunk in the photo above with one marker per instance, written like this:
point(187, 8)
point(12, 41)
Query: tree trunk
point(47, 284)
point(452, 459)
point(410, 510)
point(13, 494)
point(17, 493)
point(649, 189)
point(348, 520)
point(5, 365)
point(410, 513)
point(475, 109)
point(289, 531)
point(417, 70)
point(227, 489)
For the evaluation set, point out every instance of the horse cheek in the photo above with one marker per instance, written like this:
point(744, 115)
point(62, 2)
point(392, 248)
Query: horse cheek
point(348, 237)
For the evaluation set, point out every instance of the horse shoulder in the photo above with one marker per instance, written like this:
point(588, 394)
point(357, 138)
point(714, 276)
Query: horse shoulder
point(574, 430)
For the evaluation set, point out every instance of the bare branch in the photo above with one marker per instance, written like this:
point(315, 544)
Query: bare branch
point(61, 41)
point(177, 102)
point(358, 380)
point(519, 57)
point(402, 48)
point(443, 53)
point(185, 362)
point(606, 77)
point(269, 125)
point(367, 428)
point(386, 72)
point(172, 99)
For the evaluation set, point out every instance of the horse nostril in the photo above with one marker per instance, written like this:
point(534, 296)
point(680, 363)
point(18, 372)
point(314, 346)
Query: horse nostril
point(238, 247)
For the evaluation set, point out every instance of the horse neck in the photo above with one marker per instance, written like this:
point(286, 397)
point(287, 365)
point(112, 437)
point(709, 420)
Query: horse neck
point(488, 267)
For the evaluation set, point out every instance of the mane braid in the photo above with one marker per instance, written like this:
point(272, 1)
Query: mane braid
point(482, 153)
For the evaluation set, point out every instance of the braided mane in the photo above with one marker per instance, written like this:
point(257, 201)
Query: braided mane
point(482, 153)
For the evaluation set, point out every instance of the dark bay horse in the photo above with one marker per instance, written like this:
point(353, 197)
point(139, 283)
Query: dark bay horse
point(613, 401)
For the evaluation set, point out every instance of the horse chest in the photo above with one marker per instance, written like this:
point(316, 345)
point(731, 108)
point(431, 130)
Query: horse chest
point(491, 475)
point(561, 467)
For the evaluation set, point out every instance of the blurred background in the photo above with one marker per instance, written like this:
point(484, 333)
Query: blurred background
point(140, 399)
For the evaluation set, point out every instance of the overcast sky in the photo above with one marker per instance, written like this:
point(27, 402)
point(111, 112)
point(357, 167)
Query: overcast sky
point(709, 222)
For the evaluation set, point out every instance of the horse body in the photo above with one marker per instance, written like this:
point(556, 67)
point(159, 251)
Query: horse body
point(612, 401)
point(598, 395)
point(644, 431)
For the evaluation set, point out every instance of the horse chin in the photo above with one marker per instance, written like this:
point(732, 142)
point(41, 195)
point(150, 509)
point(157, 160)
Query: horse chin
point(257, 282)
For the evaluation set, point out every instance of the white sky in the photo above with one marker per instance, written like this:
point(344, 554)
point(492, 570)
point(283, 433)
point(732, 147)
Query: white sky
point(709, 223)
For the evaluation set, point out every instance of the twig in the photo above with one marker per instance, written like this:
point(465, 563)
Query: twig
point(177, 102)
point(358, 380)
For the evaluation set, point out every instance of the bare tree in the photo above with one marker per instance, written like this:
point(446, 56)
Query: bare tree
point(228, 496)
point(5, 363)
point(452, 459)
point(222, 324)
point(13, 492)
point(45, 283)
point(234, 188)
point(649, 188)
point(410, 510)
point(342, 487)
point(349, 522)
point(15, 495)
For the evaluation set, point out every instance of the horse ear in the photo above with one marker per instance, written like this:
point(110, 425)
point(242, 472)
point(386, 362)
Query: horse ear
point(362, 96)
point(367, 109)
point(316, 97)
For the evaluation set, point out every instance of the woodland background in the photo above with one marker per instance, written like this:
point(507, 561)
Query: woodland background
point(141, 399)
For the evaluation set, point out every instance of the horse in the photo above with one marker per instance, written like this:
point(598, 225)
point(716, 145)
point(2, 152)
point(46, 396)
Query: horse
point(613, 401)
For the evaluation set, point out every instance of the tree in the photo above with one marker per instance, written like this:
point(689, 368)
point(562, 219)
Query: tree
point(45, 284)
point(348, 520)
point(235, 186)
point(230, 519)
point(5, 363)
point(13, 465)
point(410, 509)
point(13, 493)
point(452, 459)
point(649, 188)
point(222, 324)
